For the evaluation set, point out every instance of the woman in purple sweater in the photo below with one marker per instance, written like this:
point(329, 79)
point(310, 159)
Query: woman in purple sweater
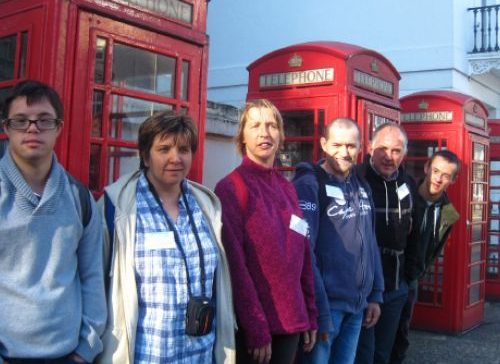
point(266, 244)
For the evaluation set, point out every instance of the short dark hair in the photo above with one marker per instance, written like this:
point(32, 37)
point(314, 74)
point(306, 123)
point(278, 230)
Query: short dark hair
point(34, 91)
point(164, 124)
point(345, 123)
point(449, 156)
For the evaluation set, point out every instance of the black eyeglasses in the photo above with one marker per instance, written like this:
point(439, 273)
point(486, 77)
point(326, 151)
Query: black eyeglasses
point(41, 124)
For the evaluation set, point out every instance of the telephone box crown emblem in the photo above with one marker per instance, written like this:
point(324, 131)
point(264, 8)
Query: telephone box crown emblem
point(374, 66)
point(424, 105)
point(295, 61)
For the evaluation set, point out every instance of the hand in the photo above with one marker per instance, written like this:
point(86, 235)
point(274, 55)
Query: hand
point(372, 315)
point(74, 357)
point(323, 336)
point(261, 355)
point(309, 340)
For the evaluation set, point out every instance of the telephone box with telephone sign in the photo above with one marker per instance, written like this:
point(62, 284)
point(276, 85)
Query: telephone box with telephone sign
point(313, 83)
point(493, 247)
point(114, 63)
point(451, 294)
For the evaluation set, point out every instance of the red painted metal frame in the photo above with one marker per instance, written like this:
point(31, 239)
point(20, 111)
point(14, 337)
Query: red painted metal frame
point(493, 285)
point(454, 313)
point(55, 50)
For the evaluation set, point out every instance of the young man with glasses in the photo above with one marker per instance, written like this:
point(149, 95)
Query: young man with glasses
point(52, 306)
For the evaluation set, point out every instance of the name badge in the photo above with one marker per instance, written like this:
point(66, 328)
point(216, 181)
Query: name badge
point(299, 225)
point(363, 193)
point(335, 192)
point(403, 191)
point(159, 240)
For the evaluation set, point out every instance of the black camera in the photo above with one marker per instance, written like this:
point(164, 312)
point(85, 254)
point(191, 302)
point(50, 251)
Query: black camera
point(199, 316)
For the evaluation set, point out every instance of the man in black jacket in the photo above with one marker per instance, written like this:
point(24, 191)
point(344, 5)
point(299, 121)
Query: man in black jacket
point(394, 197)
point(435, 218)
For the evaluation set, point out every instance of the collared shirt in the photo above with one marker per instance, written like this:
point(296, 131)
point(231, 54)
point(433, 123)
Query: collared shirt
point(162, 283)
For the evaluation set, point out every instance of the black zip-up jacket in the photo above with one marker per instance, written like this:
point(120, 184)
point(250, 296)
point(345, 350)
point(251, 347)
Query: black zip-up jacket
point(397, 236)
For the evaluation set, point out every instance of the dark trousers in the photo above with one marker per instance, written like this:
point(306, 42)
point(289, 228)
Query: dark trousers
point(283, 349)
point(402, 342)
point(375, 344)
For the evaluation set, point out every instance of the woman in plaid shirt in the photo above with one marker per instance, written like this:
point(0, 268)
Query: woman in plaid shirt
point(166, 256)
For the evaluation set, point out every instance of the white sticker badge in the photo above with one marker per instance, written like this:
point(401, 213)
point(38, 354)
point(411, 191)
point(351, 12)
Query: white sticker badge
point(299, 225)
point(159, 240)
point(334, 191)
point(403, 191)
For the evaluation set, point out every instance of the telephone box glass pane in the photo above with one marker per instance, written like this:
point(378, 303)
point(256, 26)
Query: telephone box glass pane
point(24, 54)
point(494, 239)
point(143, 70)
point(494, 225)
point(494, 180)
point(415, 168)
point(495, 195)
point(7, 57)
point(495, 165)
point(479, 152)
point(121, 161)
point(475, 253)
point(298, 123)
point(128, 114)
point(474, 294)
point(94, 167)
point(477, 212)
point(494, 209)
point(477, 192)
point(493, 264)
point(295, 152)
point(478, 172)
point(4, 92)
point(100, 60)
point(477, 231)
point(422, 148)
point(184, 80)
point(475, 273)
point(97, 113)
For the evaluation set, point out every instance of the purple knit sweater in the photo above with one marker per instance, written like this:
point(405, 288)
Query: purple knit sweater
point(270, 264)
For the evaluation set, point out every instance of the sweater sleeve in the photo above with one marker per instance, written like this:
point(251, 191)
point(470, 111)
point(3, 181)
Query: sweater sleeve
point(251, 316)
point(307, 282)
point(307, 192)
point(90, 269)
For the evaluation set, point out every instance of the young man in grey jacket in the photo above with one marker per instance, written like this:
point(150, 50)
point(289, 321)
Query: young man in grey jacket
point(52, 303)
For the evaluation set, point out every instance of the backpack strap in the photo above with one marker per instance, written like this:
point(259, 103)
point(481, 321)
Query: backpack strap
point(84, 197)
point(241, 189)
point(109, 216)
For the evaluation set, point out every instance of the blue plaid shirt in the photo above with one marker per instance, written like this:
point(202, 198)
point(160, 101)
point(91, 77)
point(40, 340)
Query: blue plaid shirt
point(162, 282)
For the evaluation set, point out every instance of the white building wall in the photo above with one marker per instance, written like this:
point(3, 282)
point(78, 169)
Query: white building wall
point(426, 40)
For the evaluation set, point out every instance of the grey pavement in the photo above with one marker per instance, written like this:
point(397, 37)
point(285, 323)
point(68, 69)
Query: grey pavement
point(479, 345)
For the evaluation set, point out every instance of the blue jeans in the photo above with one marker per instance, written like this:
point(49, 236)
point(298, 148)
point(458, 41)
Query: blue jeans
point(375, 344)
point(340, 348)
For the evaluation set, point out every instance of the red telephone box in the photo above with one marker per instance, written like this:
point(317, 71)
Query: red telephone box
point(451, 294)
point(493, 248)
point(114, 62)
point(313, 83)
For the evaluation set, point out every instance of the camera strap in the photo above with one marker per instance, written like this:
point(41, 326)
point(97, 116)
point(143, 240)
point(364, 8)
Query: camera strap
point(177, 238)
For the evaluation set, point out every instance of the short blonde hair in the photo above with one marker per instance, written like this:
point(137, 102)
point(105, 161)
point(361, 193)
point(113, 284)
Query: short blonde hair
point(260, 104)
